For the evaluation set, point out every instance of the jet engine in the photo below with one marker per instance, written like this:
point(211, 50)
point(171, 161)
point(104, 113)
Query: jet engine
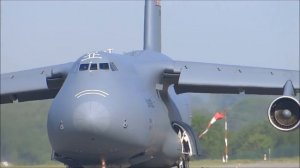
point(284, 113)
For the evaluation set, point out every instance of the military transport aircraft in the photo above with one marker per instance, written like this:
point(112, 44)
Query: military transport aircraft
point(122, 110)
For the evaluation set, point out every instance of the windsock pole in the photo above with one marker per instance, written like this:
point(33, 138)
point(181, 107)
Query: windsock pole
point(225, 136)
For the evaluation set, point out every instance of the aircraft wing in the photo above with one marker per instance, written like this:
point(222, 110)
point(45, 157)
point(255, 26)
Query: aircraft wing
point(218, 78)
point(33, 84)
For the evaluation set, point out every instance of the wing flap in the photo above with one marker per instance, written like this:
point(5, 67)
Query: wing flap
point(217, 78)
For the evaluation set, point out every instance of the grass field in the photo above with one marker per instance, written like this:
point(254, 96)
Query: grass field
point(281, 162)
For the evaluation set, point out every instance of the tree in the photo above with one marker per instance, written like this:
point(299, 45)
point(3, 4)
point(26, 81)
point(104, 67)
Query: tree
point(212, 143)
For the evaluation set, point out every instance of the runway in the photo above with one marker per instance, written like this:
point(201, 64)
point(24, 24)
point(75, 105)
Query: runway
point(293, 163)
point(261, 164)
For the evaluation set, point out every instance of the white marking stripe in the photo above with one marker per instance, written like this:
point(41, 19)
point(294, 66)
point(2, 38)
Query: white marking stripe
point(89, 92)
point(226, 141)
point(225, 125)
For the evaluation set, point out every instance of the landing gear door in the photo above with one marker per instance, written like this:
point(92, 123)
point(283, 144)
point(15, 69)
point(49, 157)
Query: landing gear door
point(190, 145)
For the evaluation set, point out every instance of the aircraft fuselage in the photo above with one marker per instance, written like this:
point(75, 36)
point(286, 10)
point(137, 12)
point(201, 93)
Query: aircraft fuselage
point(113, 113)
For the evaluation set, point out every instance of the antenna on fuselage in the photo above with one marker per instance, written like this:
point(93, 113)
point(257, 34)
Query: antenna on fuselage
point(152, 25)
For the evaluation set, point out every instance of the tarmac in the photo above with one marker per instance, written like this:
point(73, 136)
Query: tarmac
point(253, 165)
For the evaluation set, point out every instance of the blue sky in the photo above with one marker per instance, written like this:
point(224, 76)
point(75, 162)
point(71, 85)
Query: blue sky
point(253, 33)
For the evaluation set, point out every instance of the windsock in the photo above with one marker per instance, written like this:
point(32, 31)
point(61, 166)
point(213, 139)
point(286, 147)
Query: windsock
point(217, 116)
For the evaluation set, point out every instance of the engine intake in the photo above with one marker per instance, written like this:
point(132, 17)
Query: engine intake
point(284, 113)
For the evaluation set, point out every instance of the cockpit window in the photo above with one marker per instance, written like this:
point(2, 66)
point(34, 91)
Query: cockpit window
point(83, 67)
point(104, 66)
point(93, 67)
point(113, 66)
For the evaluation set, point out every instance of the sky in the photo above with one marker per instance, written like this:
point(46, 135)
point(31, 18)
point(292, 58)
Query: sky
point(251, 33)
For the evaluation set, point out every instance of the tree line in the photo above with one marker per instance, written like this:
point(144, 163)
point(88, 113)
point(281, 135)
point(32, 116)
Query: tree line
point(249, 142)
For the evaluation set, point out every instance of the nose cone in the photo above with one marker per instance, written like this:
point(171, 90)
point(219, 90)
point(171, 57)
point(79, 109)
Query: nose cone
point(91, 117)
point(73, 125)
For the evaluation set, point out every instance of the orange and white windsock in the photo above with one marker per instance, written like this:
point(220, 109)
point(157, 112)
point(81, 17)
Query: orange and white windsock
point(217, 116)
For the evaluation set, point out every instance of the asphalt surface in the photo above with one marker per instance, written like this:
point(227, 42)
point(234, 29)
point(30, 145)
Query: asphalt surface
point(253, 165)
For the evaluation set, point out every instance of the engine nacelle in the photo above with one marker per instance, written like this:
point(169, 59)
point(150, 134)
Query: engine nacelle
point(284, 113)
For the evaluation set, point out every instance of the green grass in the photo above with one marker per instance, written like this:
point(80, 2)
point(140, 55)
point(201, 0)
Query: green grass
point(193, 164)
point(211, 163)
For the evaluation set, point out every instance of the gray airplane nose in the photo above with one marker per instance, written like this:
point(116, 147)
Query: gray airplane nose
point(77, 123)
point(92, 117)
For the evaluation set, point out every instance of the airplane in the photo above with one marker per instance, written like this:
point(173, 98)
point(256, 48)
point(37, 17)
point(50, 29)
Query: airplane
point(125, 110)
